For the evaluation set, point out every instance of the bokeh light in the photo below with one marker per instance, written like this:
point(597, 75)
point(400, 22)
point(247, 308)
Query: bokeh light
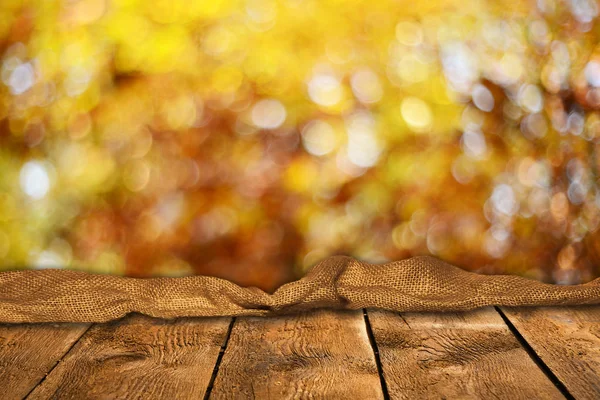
point(248, 139)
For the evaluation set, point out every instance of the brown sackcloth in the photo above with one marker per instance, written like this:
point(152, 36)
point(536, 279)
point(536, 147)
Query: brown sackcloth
point(416, 284)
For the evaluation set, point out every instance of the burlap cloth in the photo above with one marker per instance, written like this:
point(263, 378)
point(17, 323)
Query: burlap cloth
point(416, 284)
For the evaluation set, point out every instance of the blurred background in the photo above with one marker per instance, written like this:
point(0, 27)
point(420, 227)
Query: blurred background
point(251, 139)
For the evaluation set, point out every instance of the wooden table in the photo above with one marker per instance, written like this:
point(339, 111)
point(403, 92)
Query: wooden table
point(366, 354)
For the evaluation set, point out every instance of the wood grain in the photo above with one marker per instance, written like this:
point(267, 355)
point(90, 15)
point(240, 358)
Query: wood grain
point(455, 355)
point(139, 357)
point(567, 339)
point(29, 351)
point(319, 354)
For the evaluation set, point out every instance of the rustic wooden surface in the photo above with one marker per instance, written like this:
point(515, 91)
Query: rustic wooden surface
point(323, 352)
point(568, 342)
point(366, 354)
point(29, 351)
point(466, 355)
point(139, 357)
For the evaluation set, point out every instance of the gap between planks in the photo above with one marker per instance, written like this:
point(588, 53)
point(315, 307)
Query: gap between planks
point(535, 357)
point(211, 383)
point(373, 342)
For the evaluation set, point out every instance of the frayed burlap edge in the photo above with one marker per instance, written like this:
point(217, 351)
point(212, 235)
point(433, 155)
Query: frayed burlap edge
point(416, 284)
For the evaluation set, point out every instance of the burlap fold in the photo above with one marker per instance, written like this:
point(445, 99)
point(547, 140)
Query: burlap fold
point(416, 284)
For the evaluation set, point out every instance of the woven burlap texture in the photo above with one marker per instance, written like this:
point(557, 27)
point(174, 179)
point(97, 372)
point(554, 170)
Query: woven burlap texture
point(416, 284)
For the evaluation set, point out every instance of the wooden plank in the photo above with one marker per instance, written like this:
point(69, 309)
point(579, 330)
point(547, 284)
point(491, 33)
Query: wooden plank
point(139, 357)
point(29, 351)
point(567, 339)
point(318, 354)
point(455, 355)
